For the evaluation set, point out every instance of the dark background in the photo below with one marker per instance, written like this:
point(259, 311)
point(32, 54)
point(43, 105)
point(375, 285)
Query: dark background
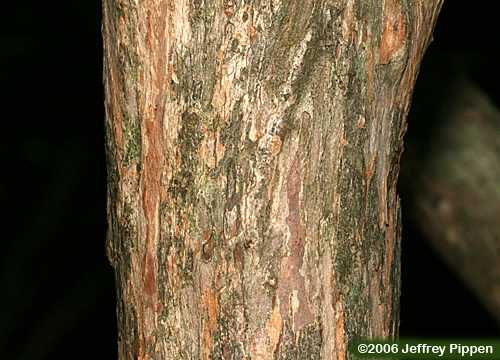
point(56, 286)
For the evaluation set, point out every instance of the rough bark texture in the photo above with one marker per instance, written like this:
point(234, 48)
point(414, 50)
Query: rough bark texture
point(455, 190)
point(253, 152)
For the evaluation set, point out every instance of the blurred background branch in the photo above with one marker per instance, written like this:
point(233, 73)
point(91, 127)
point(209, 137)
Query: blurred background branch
point(454, 186)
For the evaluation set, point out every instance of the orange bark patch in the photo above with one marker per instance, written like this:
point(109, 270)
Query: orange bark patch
point(149, 275)
point(274, 327)
point(153, 109)
point(275, 145)
point(252, 32)
point(209, 303)
point(394, 34)
point(151, 175)
point(340, 346)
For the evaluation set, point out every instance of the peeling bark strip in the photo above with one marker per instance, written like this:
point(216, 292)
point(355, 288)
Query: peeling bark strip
point(253, 151)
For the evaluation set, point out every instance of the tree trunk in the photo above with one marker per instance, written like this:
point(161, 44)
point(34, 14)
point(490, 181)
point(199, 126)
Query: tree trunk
point(455, 193)
point(253, 152)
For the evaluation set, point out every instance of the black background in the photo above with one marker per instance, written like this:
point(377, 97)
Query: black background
point(56, 286)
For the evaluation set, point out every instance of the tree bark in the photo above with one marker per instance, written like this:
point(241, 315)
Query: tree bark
point(455, 193)
point(253, 152)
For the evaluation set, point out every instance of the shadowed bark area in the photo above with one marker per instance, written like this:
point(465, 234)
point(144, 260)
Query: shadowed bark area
point(253, 153)
point(455, 189)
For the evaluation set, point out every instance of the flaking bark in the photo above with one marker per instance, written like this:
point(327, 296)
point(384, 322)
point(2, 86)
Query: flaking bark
point(253, 152)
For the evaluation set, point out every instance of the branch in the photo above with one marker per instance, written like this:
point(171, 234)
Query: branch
point(455, 188)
